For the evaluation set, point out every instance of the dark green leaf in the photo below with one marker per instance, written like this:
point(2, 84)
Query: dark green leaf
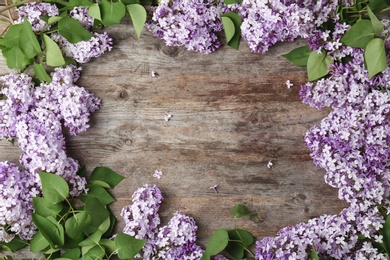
point(240, 211)
point(109, 245)
point(106, 175)
point(97, 210)
point(376, 24)
point(235, 18)
point(96, 252)
point(50, 229)
point(375, 56)
point(28, 41)
point(15, 58)
point(317, 65)
point(128, 246)
point(92, 240)
point(112, 13)
point(386, 234)
point(94, 11)
point(359, 34)
point(105, 225)
point(54, 56)
point(236, 250)
point(45, 207)
point(138, 17)
point(11, 38)
point(77, 224)
point(244, 236)
point(99, 193)
point(14, 245)
point(73, 253)
point(54, 187)
point(378, 5)
point(73, 30)
point(217, 243)
point(299, 56)
point(38, 243)
point(41, 73)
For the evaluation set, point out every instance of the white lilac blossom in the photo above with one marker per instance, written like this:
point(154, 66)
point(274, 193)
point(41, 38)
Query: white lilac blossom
point(33, 116)
point(157, 174)
point(33, 13)
point(191, 23)
point(176, 240)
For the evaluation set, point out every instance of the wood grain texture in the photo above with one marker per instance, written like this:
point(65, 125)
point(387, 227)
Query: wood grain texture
point(232, 113)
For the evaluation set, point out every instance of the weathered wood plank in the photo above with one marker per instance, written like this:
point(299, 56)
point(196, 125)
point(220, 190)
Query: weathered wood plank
point(232, 112)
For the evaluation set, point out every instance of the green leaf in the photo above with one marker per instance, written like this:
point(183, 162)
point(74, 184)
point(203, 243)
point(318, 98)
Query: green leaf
point(109, 245)
point(217, 243)
point(235, 18)
point(376, 24)
point(299, 56)
point(99, 193)
point(386, 234)
point(359, 34)
point(236, 250)
point(53, 19)
point(244, 236)
point(44, 207)
point(98, 211)
point(11, 38)
point(54, 56)
point(228, 2)
point(15, 58)
point(138, 17)
point(73, 253)
point(100, 183)
point(41, 73)
point(14, 245)
point(105, 225)
point(314, 255)
point(228, 27)
point(92, 240)
point(317, 65)
point(378, 5)
point(112, 13)
point(54, 187)
point(96, 252)
point(128, 246)
point(106, 175)
point(375, 56)
point(94, 11)
point(51, 230)
point(38, 242)
point(77, 224)
point(240, 211)
point(73, 30)
point(28, 41)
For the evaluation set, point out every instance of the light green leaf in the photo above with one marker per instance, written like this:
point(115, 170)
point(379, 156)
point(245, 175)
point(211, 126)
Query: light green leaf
point(217, 243)
point(128, 246)
point(228, 2)
point(314, 255)
point(38, 242)
point(109, 245)
point(73, 253)
point(235, 18)
point(359, 34)
point(94, 11)
point(51, 230)
point(112, 12)
point(96, 252)
point(138, 17)
point(317, 65)
point(376, 24)
point(11, 38)
point(54, 56)
point(99, 193)
point(106, 175)
point(228, 27)
point(375, 56)
point(53, 19)
point(299, 56)
point(15, 58)
point(77, 224)
point(28, 41)
point(73, 30)
point(54, 187)
point(45, 207)
point(41, 73)
point(92, 240)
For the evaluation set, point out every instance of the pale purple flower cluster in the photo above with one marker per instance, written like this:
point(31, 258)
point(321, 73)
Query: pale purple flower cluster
point(34, 12)
point(191, 23)
point(33, 116)
point(266, 22)
point(15, 204)
point(84, 51)
point(176, 240)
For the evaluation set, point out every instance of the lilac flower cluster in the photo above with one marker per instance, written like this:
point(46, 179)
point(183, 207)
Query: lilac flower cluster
point(33, 116)
point(34, 13)
point(84, 51)
point(191, 23)
point(352, 144)
point(176, 240)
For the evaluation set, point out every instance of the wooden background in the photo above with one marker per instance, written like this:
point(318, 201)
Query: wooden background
point(232, 113)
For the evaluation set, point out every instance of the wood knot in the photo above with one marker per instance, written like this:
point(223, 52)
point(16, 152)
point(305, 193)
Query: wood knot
point(170, 51)
point(123, 94)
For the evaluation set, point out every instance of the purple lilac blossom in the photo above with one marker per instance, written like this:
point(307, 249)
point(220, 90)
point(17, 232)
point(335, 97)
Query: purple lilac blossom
point(33, 115)
point(192, 24)
point(84, 51)
point(33, 12)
